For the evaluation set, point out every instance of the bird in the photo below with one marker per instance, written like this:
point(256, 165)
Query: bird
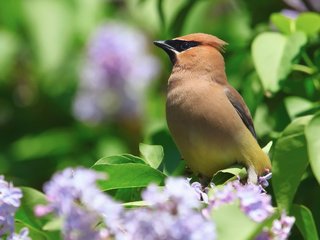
point(208, 119)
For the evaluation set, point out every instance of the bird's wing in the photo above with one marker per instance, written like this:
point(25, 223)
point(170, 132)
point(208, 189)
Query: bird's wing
point(242, 109)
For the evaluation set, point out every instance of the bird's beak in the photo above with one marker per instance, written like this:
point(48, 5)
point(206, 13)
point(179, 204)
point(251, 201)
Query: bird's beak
point(165, 46)
point(168, 49)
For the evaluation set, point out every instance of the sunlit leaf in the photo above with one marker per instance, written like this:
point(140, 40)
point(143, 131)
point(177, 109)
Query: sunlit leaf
point(283, 23)
point(273, 54)
point(308, 23)
point(297, 105)
point(50, 143)
point(224, 175)
point(120, 159)
point(267, 147)
point(127, 175)
point(289, 161)
point(305, 222)
point(232, 223)
point(313, 140)
point(153, 154)
point(50, 26)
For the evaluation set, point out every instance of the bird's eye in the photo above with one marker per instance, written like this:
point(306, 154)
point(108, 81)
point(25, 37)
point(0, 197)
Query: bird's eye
point(185, 46)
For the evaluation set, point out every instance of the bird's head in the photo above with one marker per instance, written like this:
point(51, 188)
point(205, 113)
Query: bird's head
point(191, 47)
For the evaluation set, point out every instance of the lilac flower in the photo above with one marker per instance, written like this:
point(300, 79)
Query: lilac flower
point(9, 202)
point(115, 74)
point(253, 201)
point(256, 204)
point(156, 224)
point(80, 224)
point(281, 228)
point(23, 235)
point(301, 6)
point(176, 196)
point(263, 180)
point(173, 213)
point(73, 196)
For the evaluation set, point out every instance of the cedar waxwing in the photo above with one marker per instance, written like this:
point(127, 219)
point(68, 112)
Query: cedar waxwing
point(208, 119)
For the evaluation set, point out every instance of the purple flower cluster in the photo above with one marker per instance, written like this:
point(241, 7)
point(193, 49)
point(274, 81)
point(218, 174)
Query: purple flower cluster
point(172, 213)
point(9, 202)
point(298, 6)
point(253, 201)
point(178, 211)
point(74, 197)
point(22, 235)
point(280, 229)
point(115, 74)
point(304, 6)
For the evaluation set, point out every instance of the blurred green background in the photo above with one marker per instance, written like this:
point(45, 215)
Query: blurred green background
point(50, 50)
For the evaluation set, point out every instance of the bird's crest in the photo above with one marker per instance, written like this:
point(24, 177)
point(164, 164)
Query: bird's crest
point(205, 39)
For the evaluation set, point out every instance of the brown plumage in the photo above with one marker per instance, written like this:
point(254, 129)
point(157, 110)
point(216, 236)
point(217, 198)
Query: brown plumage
point(208, 119)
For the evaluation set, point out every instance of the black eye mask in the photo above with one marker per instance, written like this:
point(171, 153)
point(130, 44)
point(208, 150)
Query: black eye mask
point(181, 45)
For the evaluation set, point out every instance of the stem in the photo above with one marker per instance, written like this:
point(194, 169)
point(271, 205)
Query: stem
point(303, 68)
point(308, 61)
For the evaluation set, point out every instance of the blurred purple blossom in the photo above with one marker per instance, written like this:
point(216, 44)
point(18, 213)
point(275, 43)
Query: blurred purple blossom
point(177, 196)
point(74, 196)
point(156, 224)
point(290, 13)
point(115, 74)
point(253, 201)
point(304, 6)
point(180, 210)
point(22, 235)
point(298, 6)
point(280, 229)
point(9, 202)
point(173, 213)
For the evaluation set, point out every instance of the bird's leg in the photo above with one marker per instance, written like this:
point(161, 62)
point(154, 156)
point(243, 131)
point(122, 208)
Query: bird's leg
point(252, 175)
point(204, 180)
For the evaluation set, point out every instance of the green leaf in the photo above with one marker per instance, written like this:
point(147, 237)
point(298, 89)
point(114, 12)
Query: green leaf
point(267, 147)
point(308, 23)
point(179, 20)
point(50, 26)
point(25, 215)
point(232, 223)
point(8, 50)
point(313, 141)
point(120, 159)
point(297, 105)
point(55, 142)
point(127, 175)
point(153, 154)
point(227, 174)
point(273, 54)
point(53, 225)
point(305, 222)
point(34, 234)
point(284, 24)
point(160, 135)
point(289, 161)
point(31, 198)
